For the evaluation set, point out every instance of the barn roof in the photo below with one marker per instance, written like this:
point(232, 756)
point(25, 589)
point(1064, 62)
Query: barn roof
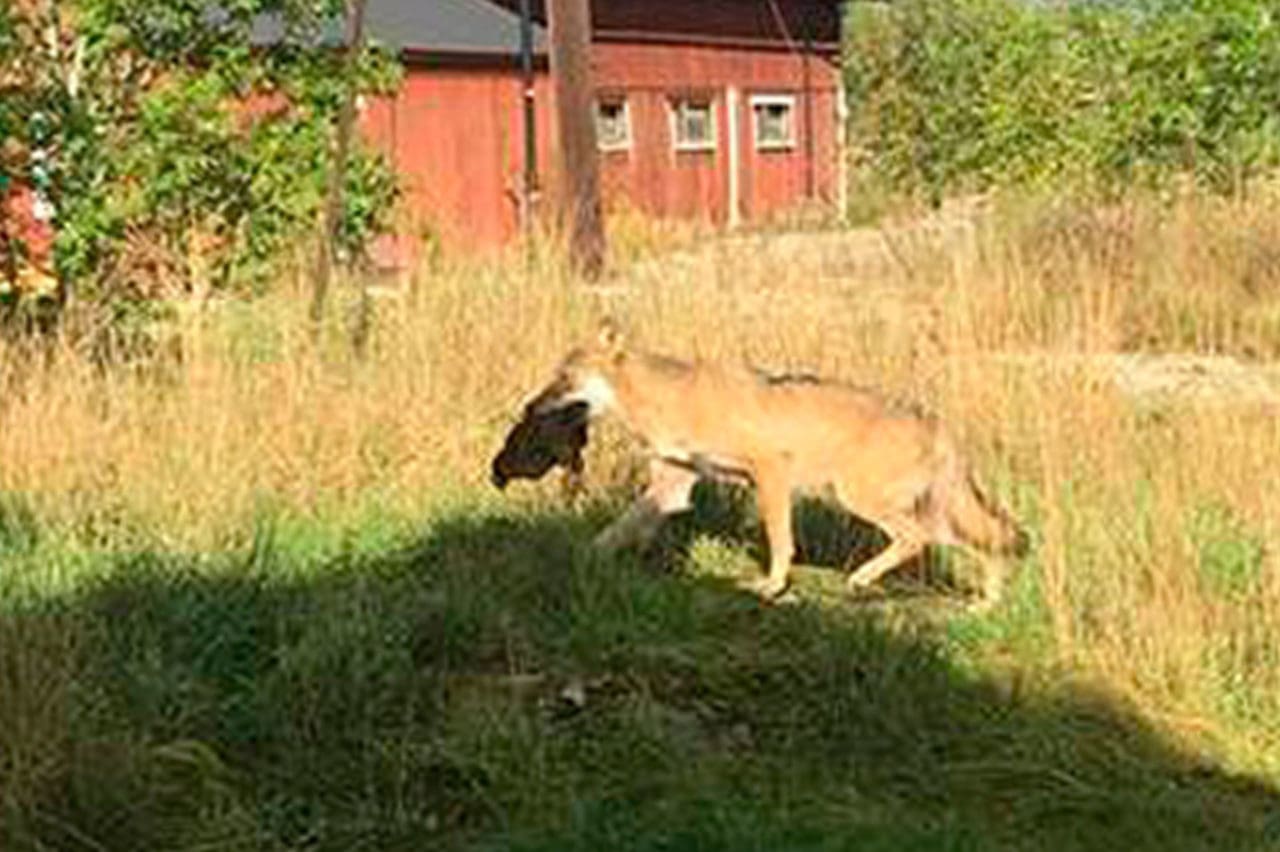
point(447, 26)
point(491, 28)
point(464, 26)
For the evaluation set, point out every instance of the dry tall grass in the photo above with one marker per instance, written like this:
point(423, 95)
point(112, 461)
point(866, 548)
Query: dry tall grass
point(1155, 515)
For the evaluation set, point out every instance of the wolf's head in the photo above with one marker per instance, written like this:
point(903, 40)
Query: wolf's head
point(553, 429)
point(541, 441)
point(583, 376)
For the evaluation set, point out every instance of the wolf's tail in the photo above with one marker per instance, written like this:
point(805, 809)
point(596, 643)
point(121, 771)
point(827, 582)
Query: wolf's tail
point(978, 521)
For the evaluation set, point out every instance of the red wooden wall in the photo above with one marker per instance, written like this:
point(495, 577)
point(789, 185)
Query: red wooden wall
point(456, 137)
point(455, 130)
point(655, 177)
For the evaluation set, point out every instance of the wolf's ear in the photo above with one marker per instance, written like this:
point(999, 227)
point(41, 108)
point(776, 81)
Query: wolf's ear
point(610, 336)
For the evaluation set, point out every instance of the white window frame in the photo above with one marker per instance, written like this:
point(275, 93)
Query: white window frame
point(679, 101)
point(620, 100)
point(768, 100)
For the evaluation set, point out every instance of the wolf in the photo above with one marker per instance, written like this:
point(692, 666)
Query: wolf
point(890, 464)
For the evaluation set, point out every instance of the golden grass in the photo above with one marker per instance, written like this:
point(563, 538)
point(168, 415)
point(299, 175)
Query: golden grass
point(1155, 517)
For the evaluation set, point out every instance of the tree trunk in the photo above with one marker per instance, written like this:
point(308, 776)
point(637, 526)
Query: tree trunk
point(579, 195)
point(331, 213)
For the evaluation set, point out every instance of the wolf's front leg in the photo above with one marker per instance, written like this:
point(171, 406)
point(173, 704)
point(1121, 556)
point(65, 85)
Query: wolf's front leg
point(668, 493)
point(773, 494)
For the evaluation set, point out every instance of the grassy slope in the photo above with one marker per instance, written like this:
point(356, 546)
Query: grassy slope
point(263, 600)
point(489, 684)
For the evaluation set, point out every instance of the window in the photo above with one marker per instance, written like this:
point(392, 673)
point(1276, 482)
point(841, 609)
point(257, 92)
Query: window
point(693, 124)
point(613, 123)
point(774, 122)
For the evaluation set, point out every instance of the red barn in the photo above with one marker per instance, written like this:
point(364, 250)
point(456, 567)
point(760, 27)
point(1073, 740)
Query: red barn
point(722, 109)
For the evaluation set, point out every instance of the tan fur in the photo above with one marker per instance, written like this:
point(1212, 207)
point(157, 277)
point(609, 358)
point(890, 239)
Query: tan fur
point(890, 465)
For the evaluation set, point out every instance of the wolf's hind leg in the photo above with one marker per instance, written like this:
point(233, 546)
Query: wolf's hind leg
point(906, 540)
point(995, 573)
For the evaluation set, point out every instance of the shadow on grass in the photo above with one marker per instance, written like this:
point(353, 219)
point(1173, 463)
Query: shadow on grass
point(496, 686)
point(826, 537)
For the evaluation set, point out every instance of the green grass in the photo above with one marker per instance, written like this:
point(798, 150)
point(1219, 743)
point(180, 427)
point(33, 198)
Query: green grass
point(482, 680)
point(1230, 555)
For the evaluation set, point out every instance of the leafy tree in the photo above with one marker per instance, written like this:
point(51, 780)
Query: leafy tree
point(186, 142)
point(13, 108)
point(964, 94)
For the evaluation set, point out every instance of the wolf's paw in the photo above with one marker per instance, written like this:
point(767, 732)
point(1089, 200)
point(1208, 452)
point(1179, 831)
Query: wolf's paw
point(982, 604)
point(860, 583)
point(607, 541)
point(770, 588)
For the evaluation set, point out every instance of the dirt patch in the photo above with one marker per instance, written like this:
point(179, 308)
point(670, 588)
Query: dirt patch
point(1206, 379)
point(881, 270)
point(838, 257)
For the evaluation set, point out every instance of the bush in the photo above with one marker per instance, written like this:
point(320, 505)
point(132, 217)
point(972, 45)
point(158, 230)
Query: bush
point(969, 94)
point(179, 158)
